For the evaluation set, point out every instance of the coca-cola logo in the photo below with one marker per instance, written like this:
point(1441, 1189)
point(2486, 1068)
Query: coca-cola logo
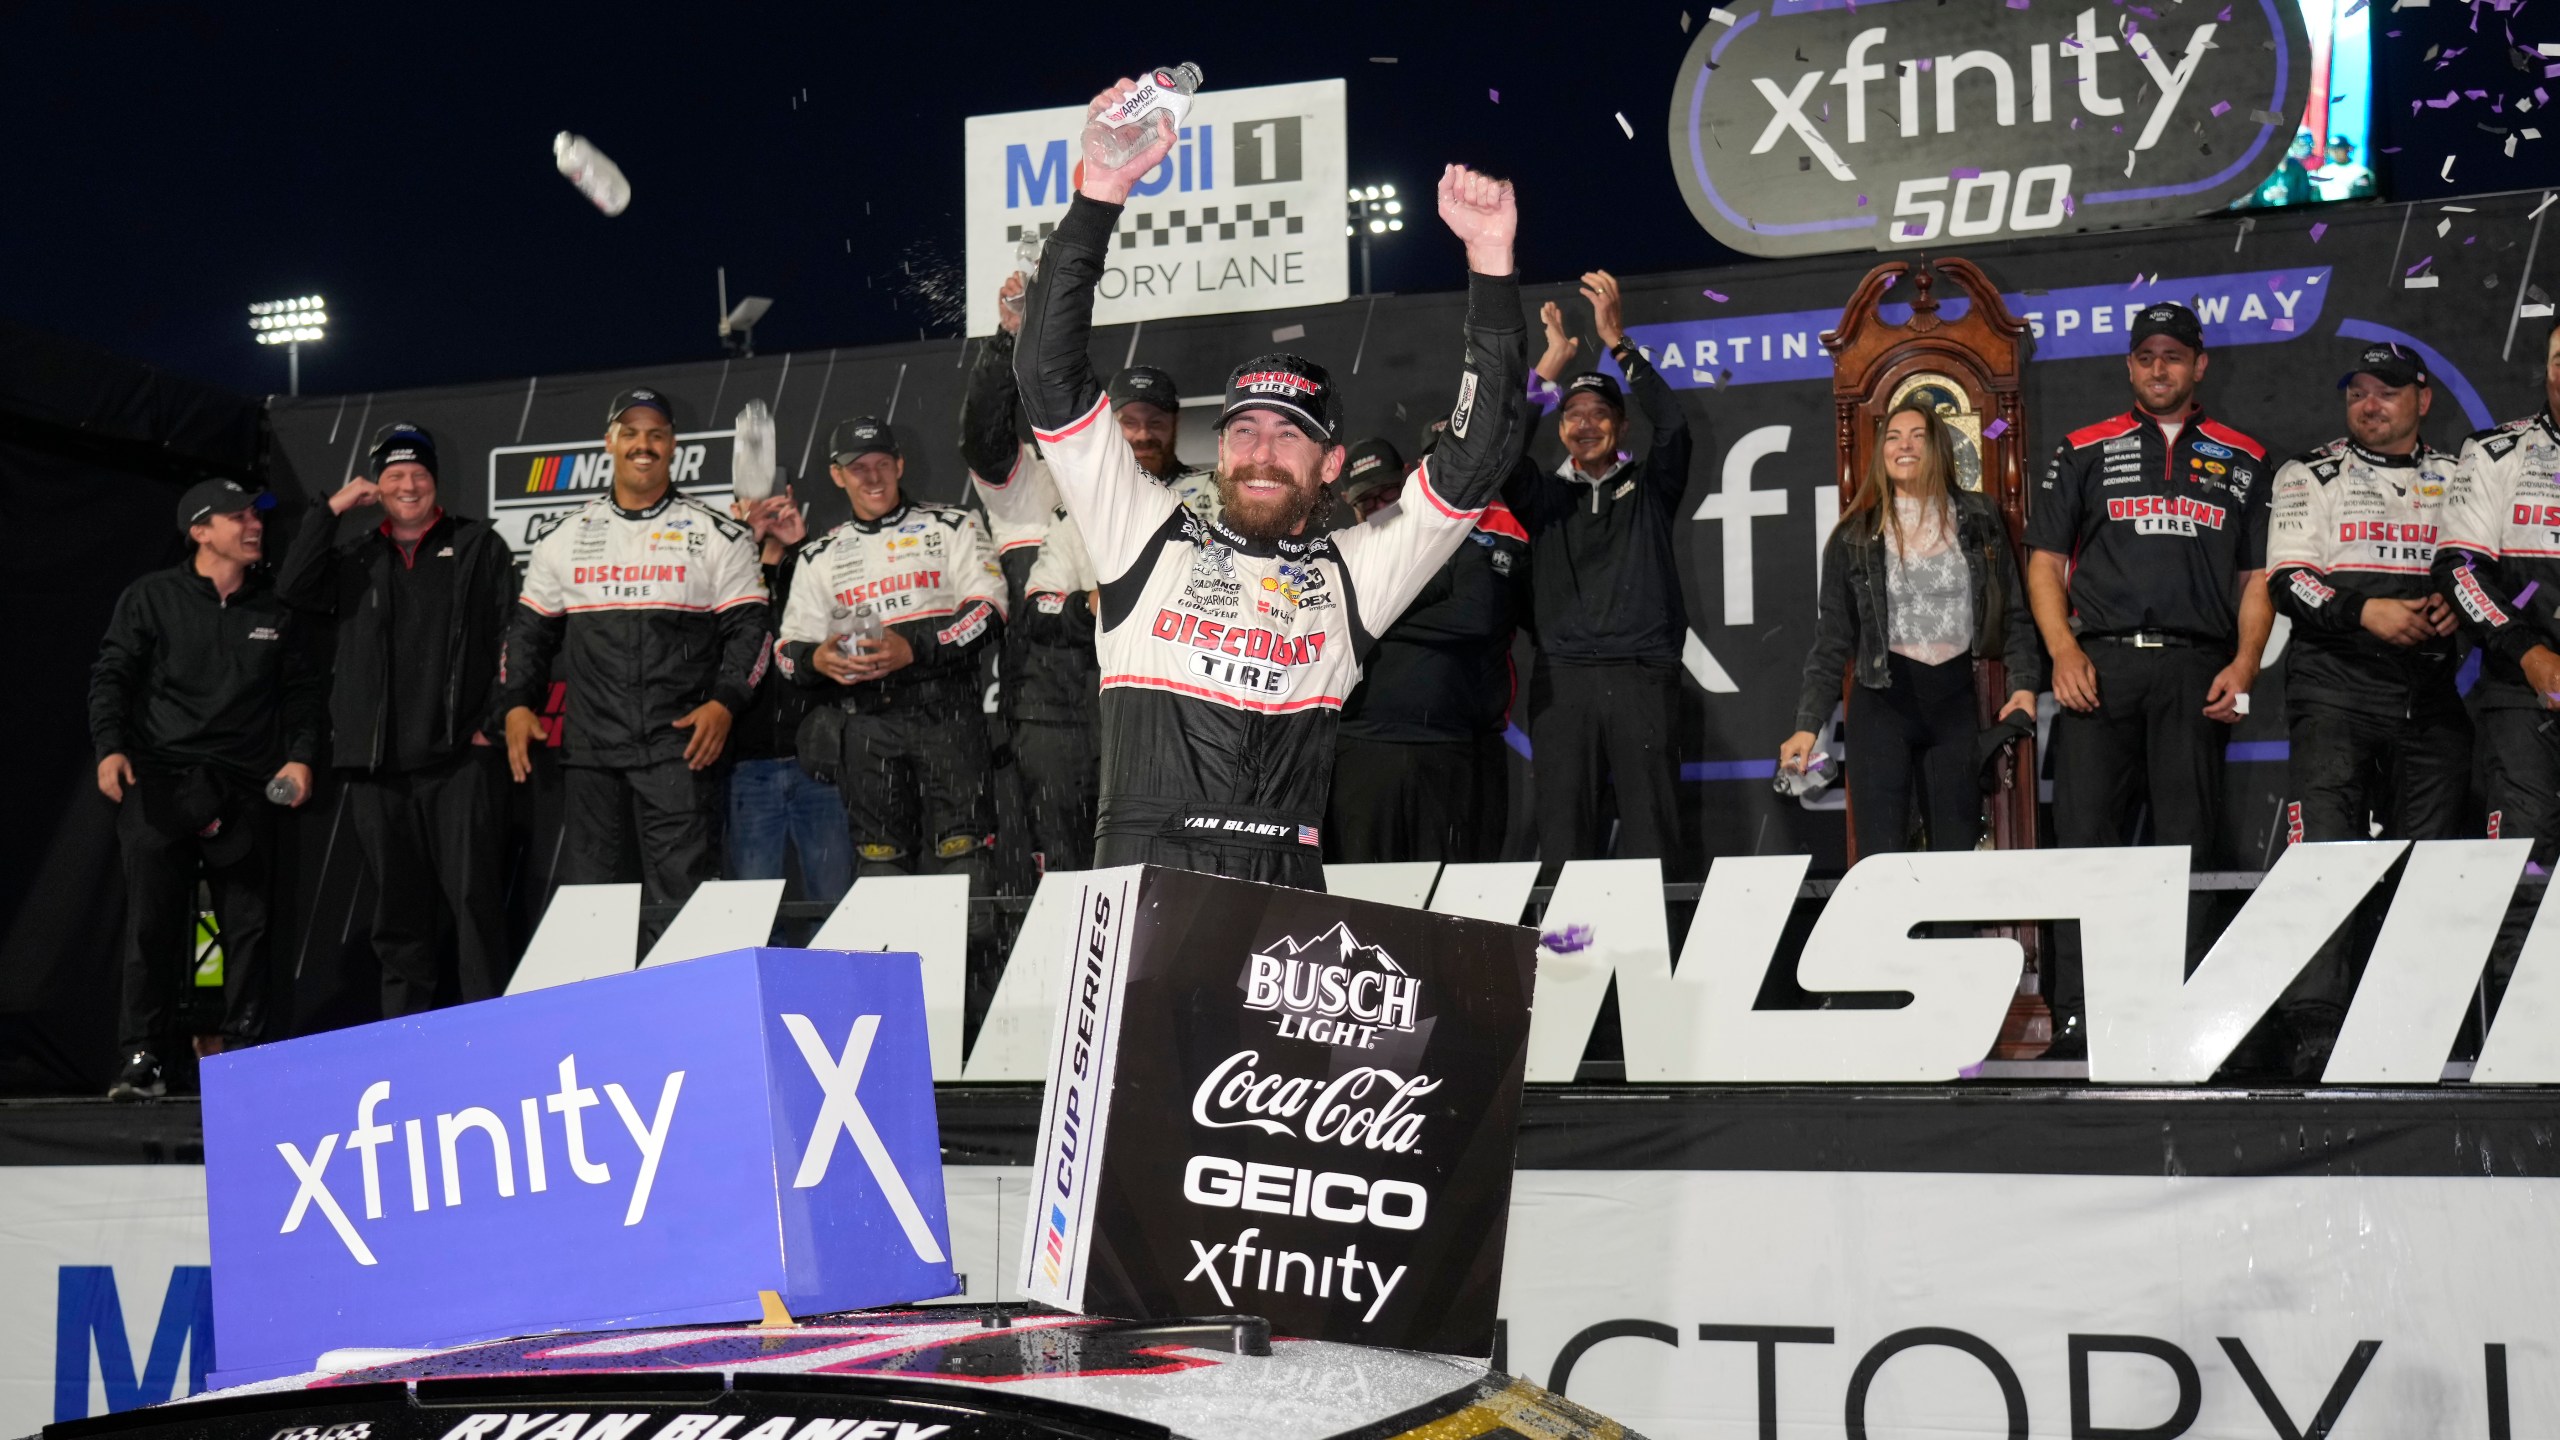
point(1366, 1107)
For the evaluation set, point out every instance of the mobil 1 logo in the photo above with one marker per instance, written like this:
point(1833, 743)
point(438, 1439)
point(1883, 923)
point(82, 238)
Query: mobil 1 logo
point(1331, 1090)
point(1802, 129)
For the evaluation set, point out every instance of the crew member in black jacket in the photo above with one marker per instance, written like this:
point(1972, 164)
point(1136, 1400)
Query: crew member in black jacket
point(203, 693)
point(1419, 770)
point(1604, 704)
point(421, 603)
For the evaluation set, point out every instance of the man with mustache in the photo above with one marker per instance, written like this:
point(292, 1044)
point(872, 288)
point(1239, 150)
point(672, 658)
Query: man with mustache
point(1227, 647)
point(657, 605)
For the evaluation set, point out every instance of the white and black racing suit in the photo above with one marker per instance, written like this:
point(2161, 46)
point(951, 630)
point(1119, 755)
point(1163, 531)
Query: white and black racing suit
point(2498, 561)
point(909, 750)
point(2377, 730)
point(652, 612)
point(1225, 660)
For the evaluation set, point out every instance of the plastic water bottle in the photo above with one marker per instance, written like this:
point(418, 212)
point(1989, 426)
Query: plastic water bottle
point(284, 790)
point(596, 177)
point(1114, 137)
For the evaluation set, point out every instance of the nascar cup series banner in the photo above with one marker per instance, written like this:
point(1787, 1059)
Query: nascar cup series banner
point(1239, 217)
point(1804, 126)
point(653, 1148)
point(1273, 1102)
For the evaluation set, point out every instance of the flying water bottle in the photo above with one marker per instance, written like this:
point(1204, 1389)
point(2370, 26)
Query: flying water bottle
point(596, 176)
point(1114, 137)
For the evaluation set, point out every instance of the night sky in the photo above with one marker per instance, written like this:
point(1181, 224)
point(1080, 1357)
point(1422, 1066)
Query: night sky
point(172, 162)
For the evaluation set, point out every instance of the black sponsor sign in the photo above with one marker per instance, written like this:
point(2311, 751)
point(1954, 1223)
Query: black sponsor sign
point(1807, 126)
point(1285, 1104)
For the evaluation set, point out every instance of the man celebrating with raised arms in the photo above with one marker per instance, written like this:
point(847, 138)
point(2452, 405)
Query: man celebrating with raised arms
point(1227, 647)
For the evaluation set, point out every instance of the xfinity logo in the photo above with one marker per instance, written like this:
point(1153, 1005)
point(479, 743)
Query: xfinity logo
point(569, 1102)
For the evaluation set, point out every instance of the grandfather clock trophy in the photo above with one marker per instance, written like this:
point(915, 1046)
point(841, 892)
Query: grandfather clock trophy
point(1964, 352)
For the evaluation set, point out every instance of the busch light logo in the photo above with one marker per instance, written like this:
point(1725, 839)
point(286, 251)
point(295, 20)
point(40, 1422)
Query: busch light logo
point(1333, 990)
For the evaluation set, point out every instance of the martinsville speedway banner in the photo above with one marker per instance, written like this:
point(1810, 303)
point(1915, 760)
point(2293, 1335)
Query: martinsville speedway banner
point(1707, 1262)
point(1239, 217)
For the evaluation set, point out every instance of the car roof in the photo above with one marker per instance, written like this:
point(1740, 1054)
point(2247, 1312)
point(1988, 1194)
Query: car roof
point(1057, 1373)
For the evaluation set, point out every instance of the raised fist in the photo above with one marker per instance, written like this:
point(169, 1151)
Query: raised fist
point(1479, 210)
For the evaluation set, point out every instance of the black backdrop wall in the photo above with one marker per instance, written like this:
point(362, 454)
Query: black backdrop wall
point(2288, 298)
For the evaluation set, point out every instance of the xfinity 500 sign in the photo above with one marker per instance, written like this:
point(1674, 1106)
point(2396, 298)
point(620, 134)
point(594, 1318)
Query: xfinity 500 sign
point(1806, 126)
point(1239, 217)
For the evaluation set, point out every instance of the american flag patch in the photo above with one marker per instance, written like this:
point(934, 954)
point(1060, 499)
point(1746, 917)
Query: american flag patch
point(1307, 835)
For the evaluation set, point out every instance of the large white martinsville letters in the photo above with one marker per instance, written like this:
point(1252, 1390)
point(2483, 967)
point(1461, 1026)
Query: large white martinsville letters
point(2149, 1021)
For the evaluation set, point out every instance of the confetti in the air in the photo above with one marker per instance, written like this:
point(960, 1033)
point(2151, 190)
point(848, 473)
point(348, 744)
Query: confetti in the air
point(1289, 332)
point(2442, 226)
point(1382, 59)
point(2318, 229)
point(2281, 322)
point(1494, 95)
point(2534, 312)
point(1567, 940)
point(2421, 282)
point(2446, 173)
point(1721, 15)
point(2547, 198)
point(1631, 130)
point(1716, 295)
point(1684, 22)
point(1995, 429)
point(2221, 108)
point(1964, 172)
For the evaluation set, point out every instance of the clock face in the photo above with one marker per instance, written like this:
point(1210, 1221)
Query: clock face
point(1954, 405)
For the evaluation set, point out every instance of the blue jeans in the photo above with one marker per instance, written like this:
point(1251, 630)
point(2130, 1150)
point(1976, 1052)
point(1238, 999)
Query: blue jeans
point(771, 800)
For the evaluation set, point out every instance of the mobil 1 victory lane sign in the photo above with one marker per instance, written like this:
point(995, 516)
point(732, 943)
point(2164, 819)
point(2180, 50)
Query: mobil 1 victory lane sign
point(1280, 1103)
point(651, 1148)
point(1805, 126)
point(1241, 216)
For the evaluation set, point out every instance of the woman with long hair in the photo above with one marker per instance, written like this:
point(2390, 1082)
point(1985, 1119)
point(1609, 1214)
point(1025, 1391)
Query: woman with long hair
point(1917, 579)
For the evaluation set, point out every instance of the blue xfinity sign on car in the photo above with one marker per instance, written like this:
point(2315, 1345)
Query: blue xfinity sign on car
point(645, 1149)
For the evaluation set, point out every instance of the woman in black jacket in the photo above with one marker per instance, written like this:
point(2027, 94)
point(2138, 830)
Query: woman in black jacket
point(1917, 579)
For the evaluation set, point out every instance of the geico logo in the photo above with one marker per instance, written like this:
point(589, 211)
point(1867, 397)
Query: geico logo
point(568, 1102)
point(1331, 1114)
point(1223, 1184)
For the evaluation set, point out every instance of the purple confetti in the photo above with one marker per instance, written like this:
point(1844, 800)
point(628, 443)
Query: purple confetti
point(2421, 265)
point(2526, 593)
point(1995, 429)
point(2535, 870)
point(1494, 95)
point(2221, 108)
point(2318, 229)
point(1964, 172)
point(1569, 940)
point(1970, 1072)
point(1862, 200)
point(2017, 4)
point(1717, 296)
point(2225, 17)
point(2070, 206)
point(2281, 322)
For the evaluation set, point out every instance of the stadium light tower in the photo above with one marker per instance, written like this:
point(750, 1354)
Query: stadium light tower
point(1375, 211)
point(290, 323)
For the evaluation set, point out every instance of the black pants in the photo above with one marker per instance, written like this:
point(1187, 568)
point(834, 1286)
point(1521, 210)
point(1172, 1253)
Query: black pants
point(651, 823)
point(160, 831)
point(2346, 770)
point(1605, 727)
point(431, 840)
point(1061, 767)
point(1444, 800)
point(1300, 868)
point(2521, 770)
point(915, 792)
point(1250, 842)
point(1918, 732)
point(2148, 742)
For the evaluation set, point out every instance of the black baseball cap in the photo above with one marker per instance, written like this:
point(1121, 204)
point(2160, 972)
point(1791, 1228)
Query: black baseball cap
point(1285, 384)
point(2389, 363)
point(403, 444)
point(1595, 382)
point(861, 435)
point(1370, 464)
point(208, 498)
point(641, 395)
point(1144, 384)
point(2166, 318)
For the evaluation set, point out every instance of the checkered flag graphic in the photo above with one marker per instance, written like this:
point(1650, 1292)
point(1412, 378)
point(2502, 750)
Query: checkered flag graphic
point(1213, 222)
